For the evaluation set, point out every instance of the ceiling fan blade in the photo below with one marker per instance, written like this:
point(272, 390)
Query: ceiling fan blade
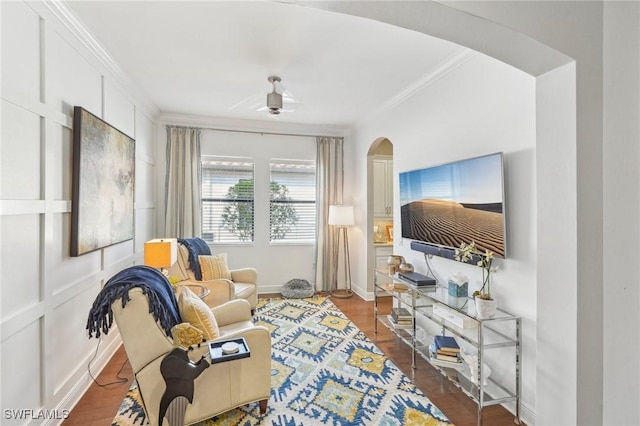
point(251, 103)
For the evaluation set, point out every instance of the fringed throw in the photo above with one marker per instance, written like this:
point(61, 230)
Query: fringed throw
point(196, 247)
point(162, 300)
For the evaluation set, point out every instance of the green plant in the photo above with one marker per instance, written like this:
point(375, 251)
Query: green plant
point(282, 214)
point(237, 216)
point(468, 252)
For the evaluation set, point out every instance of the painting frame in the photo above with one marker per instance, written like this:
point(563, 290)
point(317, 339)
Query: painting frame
point(103, 184)
point(390, 233)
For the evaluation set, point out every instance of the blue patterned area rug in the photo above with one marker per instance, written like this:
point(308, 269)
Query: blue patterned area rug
point(325, 371)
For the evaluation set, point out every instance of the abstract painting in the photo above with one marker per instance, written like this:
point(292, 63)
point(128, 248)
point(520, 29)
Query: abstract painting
point(103, 184)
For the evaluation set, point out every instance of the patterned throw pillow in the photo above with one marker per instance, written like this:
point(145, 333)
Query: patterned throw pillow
point(185, 335)
point(194, 311)
point(214, 267)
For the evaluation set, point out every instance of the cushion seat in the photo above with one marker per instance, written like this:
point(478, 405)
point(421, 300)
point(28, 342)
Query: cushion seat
point(242, 285)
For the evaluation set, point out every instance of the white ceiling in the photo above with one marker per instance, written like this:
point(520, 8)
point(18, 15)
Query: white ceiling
point(212, 58)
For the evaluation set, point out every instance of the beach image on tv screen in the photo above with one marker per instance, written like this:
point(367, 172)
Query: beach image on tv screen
point(455, 203)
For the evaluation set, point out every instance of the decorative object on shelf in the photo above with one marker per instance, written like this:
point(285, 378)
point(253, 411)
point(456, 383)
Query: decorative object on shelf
point(341, 216)
point(161, 253)
point(405, 267)
point(390, 232)
point(468, 252)
point(398, 288)
point(472, 362)
point(459, 285)
point(485, 308)
point(379, 234)
point(401, 316)
point(446, 348)
point(394, 261)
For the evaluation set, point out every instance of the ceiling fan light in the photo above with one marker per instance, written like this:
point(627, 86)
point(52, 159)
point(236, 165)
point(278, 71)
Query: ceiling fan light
point(274, 100)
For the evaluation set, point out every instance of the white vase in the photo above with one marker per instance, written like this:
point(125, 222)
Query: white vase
point(486, 308)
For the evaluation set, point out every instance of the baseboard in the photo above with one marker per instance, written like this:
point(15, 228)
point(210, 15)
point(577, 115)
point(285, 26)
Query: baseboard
point(77, 390)
point(269, 289)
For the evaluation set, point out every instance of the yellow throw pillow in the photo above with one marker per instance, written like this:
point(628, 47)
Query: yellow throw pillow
point(185, 335)
point(214, 267)
point(194, 311)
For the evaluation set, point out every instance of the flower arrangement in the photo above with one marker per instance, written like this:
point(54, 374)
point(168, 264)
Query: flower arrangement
point(467, 252)
point(174, 280)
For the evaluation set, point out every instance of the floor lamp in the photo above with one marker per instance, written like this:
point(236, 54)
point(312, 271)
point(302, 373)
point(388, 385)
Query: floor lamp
point(341, 217)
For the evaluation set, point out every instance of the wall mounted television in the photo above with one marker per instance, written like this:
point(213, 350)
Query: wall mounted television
point(459, 202)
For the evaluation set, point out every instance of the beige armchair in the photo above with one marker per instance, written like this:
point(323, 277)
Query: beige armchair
point(243, 283)
point(221, 386)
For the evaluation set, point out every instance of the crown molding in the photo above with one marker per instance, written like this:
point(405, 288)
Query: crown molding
point(65, 16)
point(255, 126)
point(454, 61)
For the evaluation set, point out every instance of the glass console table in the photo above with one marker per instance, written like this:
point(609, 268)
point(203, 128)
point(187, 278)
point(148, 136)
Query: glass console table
point(433, 308)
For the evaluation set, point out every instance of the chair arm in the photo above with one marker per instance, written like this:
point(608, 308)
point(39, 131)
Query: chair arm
point(231, 312)
point(245, 275)
point(220, 291)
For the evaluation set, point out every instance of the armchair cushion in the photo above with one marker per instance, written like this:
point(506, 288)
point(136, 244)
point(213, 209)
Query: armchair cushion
point(194, 311)
point(214, 267)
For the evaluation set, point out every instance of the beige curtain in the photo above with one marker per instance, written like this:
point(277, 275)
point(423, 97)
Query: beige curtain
point(183, 183)
point(329, 187)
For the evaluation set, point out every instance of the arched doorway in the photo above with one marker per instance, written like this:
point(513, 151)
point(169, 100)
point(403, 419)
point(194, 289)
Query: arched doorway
point(380, 187)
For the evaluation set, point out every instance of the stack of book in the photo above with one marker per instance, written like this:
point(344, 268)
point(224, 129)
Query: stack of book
point(401, 316)
point(446, 349)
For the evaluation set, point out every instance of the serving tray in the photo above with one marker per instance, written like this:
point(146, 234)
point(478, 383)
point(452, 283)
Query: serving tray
point(215, 349)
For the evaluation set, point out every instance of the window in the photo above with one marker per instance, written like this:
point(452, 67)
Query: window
point(293, 201)
point(227, 199)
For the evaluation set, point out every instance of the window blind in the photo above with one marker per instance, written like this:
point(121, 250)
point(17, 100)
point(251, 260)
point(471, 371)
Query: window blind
point(293, 201)
point(227, 199)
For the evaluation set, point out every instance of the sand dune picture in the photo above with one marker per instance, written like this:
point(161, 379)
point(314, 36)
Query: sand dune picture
point(450, 223)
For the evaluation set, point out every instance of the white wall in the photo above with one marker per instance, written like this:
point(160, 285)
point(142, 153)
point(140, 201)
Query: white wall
point(45, 294)
point(480, 107)
point(621, 212)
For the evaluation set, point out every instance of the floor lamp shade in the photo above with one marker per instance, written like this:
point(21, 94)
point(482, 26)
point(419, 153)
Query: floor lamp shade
point(161, 252)
point(340, 217)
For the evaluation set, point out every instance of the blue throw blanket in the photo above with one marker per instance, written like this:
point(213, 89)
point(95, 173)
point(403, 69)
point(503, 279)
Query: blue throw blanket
point(196, 247)
point(162, 300)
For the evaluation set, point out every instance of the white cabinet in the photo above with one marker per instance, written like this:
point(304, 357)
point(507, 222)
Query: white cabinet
point(382, 255)
point(382, 186)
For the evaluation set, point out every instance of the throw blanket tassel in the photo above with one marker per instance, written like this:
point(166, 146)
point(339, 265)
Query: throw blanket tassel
point(162, 301)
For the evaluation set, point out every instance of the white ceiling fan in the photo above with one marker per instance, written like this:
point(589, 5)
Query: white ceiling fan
point(279, 100)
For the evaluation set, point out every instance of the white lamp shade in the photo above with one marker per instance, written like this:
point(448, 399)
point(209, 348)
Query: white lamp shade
point(341, 215)
point(161, 252)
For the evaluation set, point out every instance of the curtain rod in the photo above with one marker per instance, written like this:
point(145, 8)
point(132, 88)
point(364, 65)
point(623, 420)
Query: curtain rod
point(253, 131)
